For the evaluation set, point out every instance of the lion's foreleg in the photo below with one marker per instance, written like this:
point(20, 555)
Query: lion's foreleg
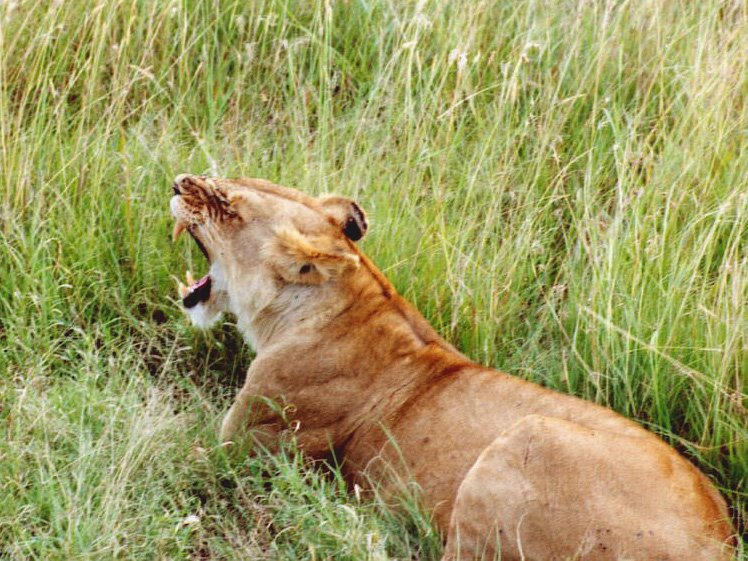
point(254, 419)
point(237, 418)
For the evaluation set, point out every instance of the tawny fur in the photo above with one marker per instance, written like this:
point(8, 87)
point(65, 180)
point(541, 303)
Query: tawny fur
point(503, 464)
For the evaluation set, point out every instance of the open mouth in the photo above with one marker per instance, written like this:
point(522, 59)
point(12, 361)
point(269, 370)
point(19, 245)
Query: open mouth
point(195, 291)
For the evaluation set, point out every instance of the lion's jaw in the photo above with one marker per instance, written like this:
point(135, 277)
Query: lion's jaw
point(274, 252)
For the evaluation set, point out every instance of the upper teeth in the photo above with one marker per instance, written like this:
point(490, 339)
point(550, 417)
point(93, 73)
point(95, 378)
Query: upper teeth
point(178, 228)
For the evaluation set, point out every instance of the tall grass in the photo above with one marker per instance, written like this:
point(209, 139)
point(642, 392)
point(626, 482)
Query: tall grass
point(560, 187)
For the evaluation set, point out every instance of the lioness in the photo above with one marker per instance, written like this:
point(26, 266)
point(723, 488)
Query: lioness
point(507, 467)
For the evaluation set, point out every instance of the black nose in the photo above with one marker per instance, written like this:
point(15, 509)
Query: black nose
point(175, 188)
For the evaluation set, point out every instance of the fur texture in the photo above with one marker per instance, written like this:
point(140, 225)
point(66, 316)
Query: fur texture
point(504, 465)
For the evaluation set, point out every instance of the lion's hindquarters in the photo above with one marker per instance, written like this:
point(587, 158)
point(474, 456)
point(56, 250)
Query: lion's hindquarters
point(553, 489)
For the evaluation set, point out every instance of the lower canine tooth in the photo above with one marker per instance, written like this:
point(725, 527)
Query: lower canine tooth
point(190, 279)
point(183, 290)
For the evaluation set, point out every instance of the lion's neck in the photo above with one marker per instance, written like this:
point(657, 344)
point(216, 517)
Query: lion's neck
point(291, 313)
point(411, 317)
point(305, 312)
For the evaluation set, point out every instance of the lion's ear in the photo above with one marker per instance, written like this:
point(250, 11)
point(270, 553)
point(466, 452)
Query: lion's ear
point(347, 213)
point(309, 260)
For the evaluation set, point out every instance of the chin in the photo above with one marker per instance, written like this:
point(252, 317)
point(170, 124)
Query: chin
point(203, 315)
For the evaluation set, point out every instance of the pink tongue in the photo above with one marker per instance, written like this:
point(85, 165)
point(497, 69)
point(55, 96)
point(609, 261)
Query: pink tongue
point(199, 284)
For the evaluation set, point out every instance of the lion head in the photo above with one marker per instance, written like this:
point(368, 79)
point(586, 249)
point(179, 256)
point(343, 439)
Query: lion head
point(266, 245)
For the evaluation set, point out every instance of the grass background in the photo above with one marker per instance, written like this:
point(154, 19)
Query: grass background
point(560, 188)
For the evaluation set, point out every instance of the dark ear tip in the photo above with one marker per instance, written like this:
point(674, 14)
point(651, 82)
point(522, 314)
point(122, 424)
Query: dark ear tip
point(352, 230)
point(355, 226)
